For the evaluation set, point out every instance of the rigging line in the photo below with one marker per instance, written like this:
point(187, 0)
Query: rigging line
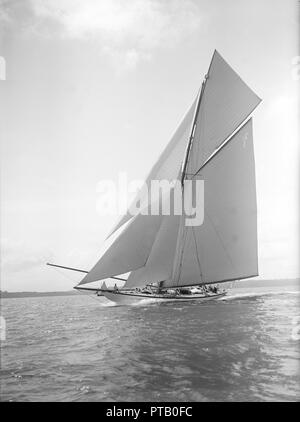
point(221, 241)
point(159, 228)
point(64, 274)
point(90, 296)
point(197, 254)
point(184, 234)
point(69, 278)
point(82, 271)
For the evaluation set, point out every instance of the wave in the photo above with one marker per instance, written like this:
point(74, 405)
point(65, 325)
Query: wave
point(147, 301)
point(107, 304)
point(258, 294)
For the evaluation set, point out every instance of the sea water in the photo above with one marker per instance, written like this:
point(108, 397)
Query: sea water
point(244, 347)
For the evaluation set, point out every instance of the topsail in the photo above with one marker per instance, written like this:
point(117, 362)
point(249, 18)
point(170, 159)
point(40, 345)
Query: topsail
point(214, 143)
point(226, 102)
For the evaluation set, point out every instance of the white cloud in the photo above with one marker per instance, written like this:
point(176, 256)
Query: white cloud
point(127, 31)
point(124, 60)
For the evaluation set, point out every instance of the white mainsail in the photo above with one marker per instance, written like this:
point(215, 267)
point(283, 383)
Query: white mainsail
point(160, 248)
point(224, 247)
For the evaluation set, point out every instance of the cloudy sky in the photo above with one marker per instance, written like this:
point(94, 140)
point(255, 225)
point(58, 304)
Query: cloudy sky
point(94, 88)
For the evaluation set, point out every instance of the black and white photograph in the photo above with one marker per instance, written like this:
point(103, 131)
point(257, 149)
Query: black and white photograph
point(149, 216)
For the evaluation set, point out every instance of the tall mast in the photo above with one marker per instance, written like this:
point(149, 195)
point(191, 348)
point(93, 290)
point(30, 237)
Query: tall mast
point(192, 134)
point(182, 231)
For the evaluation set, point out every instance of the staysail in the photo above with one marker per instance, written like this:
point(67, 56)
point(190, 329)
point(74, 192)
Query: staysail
point(168, 165)
point(225, 104)
point(159, 265)
point(161, 248)
point(129, 251)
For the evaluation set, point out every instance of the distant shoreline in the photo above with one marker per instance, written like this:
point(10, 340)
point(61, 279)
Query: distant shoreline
point(11, 295)
point(242, 283)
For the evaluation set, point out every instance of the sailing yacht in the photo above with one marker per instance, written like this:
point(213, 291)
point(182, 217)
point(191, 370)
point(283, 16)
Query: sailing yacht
point(166, 258)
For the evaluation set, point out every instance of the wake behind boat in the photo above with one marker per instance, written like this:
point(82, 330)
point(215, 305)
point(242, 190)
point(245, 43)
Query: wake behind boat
point(182, 257)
